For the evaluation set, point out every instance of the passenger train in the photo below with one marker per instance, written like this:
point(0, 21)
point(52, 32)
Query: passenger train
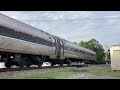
point(24, 45)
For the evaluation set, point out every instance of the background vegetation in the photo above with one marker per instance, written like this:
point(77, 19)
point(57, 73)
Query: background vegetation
point(95, 46)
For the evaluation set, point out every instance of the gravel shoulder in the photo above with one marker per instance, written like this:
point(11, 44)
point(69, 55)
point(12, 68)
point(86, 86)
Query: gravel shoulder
point(86, 75)
point(62, 73)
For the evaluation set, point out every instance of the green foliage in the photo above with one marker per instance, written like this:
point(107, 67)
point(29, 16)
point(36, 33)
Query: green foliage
point(95, 46)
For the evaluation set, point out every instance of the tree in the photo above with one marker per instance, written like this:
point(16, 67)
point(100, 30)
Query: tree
point(84, 44)
point(96, 47)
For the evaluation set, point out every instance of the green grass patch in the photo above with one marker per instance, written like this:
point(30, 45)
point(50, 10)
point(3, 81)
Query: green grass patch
point(66, 72)
point(104, 72)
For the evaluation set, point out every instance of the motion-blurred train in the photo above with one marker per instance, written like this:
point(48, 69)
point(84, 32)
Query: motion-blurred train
point(24, 45)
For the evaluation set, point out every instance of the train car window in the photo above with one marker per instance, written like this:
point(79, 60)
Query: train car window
point(47, 43)
point(84, 52)
point(29, 37)
point(36, 40)
point(39, 40)
point(26, 36)
point(10, 32)
point(68, 48)
point(65, 48)
point(4, 31)
point(7, 32)
point(42, 41)
point(1, 30)
point(19, 35)
point(51, 44)
point(75, 50)
point(33, 39)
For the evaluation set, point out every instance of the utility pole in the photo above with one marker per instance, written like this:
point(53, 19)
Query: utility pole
point(106, 54)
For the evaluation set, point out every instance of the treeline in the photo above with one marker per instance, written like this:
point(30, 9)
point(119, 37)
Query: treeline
point(95, 46)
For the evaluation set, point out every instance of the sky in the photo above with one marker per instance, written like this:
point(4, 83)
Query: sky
point(74, 26)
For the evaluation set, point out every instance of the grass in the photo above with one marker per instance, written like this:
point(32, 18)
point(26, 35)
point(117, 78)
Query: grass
point(64, 73)
point(48, 75)
point(104, 72)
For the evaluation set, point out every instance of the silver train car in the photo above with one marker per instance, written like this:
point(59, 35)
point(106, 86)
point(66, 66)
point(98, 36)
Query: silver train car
point(24, 45)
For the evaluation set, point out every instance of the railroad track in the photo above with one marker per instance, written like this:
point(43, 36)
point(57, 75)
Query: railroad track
point(33, 68)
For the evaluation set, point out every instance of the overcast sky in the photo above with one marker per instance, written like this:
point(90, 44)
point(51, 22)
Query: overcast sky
point(74, 26)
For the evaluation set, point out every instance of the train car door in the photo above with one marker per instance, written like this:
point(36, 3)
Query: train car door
point(62, 49)
point(59, 48)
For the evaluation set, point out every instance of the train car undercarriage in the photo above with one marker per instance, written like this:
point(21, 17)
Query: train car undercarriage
point(27, 60)
point(21, 60)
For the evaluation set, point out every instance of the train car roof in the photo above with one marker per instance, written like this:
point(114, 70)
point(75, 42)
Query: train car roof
point(23, 27)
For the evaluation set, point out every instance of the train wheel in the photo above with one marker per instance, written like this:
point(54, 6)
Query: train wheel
point(69, 62)
point(21, 65)
point(52, 64)
point(28, 65)
point(7, 65)
point(40, 64)
point(61, 63)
